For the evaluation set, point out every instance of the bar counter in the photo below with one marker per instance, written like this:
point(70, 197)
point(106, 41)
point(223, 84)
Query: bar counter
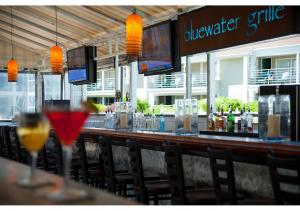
point(249, 155)
point(254, 148)
point(12, 194)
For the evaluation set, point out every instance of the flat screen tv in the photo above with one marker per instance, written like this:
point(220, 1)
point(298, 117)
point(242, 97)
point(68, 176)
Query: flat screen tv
point(159, 49)
point(82, 69)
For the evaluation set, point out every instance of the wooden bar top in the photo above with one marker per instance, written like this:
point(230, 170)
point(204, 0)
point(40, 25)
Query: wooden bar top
point(242, 146)
point(12, 194)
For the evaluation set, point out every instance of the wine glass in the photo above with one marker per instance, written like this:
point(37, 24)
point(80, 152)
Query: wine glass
point(67, 125)
point(33, 131)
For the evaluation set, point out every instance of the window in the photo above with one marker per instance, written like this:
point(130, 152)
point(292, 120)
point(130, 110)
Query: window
point(17, 97)
point(52, 86)
point(266, 63)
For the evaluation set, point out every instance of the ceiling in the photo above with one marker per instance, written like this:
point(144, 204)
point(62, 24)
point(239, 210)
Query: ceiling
point(104, 26)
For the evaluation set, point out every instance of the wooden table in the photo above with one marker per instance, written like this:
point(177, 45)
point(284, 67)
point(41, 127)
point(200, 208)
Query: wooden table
point(12, 194)
point(250, 150)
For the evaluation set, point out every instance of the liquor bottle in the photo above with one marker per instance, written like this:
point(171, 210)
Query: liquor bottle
point(217, 119)
point(161, 123)
point(239, 122)
point(127, 98)
point(153, 118)
point(223, 121)
point(249, 118)
point(106, 119)
point(244, 123)
point(230, 121)
point(211, 121)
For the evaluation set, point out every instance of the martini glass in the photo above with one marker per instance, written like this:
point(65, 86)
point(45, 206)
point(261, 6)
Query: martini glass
point(33, 131)
point(67, 125)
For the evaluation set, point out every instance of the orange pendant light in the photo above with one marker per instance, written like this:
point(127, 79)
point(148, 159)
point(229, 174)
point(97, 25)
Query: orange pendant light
point(134, 34)
point(12, 70)
point(56, 59)
point(12, 65)
point(56, 54)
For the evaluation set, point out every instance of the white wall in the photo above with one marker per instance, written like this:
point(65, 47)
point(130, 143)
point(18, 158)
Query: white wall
point(231, 72)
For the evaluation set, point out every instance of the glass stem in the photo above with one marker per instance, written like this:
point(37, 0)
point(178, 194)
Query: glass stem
point(33, 163)
point(67, 161)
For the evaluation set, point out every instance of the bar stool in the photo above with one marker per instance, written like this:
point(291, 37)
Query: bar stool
point(221, 164)
point(285, 171)
point(180, 193)
point(146, 187)
point(75, 163)
point(224, 186)
point(91, 171)
point(18, 151)
point(3, 152)
point(51, 156)
point(117, 179)
point(7, 152)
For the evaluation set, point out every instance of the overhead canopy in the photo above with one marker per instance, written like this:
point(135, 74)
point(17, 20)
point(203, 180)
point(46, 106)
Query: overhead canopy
point(34, 29)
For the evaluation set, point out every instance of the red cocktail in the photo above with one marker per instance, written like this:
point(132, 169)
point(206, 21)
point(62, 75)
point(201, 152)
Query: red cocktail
point(67, 125)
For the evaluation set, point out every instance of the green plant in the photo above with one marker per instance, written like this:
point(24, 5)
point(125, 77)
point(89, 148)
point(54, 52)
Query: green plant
point(142, 105)
point(202, 104)
point(100, 107)
point(224, 102)
point(252, 105)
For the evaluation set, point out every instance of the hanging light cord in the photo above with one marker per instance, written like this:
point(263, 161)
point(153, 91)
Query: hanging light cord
point(12, 48)
point(56, 22)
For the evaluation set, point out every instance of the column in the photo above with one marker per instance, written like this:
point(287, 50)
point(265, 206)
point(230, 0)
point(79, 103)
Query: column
point(133, 83)
point(297, 67)
point(118, 72)
point(188, 79)
point(245, 78)
point(39, 92)
point(211, 79)
point(84, 92)
point(102, 80)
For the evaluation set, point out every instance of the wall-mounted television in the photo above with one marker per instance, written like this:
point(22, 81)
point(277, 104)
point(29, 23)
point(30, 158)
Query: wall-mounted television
point(82, 68)
point(160, 53)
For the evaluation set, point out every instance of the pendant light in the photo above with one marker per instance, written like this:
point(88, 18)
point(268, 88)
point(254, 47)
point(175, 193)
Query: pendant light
point(12, 65)
point(56, 54)
point(134, 33)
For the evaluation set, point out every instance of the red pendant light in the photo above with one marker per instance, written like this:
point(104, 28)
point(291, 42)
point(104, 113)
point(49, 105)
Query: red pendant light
point(56, 54)
point(134, 33)
point(12, 65)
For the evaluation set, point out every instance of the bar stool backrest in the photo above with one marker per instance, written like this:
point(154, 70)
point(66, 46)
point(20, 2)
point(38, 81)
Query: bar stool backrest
point(2, 142)
point(137, 171)
point(59, 155)
point(173, 158)
point(108, 162)
point(17, 146)
point(223, 175)
point(7, 142)
point(285, 176)
point(83, 158)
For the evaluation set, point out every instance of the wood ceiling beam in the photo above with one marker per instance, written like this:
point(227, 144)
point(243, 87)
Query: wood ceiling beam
point(90, 8)
point(139, 12)
point(30, 33)
point(20, 45)
point(24, 38)
point(80, 19)
point(38, 26)
point(51, 20)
